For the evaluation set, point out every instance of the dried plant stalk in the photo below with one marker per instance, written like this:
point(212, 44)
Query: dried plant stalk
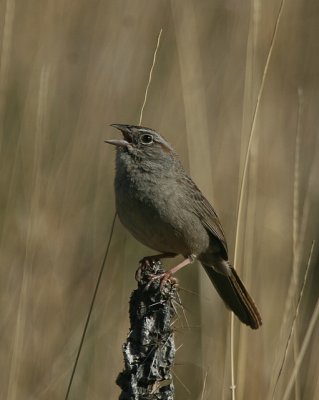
point(149, 351)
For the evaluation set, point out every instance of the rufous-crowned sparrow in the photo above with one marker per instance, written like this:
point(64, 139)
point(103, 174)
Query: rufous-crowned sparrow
point(163, 208)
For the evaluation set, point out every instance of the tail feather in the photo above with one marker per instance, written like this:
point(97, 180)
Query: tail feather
point(233, 292)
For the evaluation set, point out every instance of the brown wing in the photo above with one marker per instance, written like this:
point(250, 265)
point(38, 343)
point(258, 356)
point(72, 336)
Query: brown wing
point(207, 214)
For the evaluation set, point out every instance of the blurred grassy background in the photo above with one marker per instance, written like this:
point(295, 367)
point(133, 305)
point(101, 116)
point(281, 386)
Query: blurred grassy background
point(70, 68)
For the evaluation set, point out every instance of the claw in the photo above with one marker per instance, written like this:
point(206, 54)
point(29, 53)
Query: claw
point(144, 264)
point(154, 278)
point(165, 277)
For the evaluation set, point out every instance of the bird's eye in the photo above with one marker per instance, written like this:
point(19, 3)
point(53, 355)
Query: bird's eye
point(146, 139)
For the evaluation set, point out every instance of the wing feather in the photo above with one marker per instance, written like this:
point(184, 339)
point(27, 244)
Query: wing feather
point(206, 213)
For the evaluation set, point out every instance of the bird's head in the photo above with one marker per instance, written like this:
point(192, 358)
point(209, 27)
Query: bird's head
point(143, 145)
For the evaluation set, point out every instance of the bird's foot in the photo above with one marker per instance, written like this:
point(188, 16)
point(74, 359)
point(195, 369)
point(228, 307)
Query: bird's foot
point(163, 278)
point(146, 262)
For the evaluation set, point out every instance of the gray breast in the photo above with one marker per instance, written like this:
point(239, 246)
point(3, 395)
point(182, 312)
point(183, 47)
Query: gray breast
point(153, 210)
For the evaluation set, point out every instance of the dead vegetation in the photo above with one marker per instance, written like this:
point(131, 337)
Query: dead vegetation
point(67, 70)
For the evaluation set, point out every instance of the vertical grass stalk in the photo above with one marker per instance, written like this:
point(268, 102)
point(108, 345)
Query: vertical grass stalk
point(293, 325)
point(150, 76)
point(243, 183)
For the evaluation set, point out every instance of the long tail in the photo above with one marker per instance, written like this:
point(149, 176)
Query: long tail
point(233, 292)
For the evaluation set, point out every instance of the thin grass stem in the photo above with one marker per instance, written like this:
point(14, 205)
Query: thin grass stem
point(294, 322)
point(243, 182)
point(150, 76)
point(303, 349)
point(204, 385)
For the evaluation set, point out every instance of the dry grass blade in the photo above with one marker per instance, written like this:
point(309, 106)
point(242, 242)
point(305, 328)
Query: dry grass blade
point(232, 358)
point(253, 127)
point(29, 253)
point(294, 321)
point(243, 181)
point(179, 347)
point(204, 385)
point(5, 55)
point(150, 75)
point(306, 341)
point(176, 306)
point(297, 176)
point(298, 231)
point(86, 325)
point(296, 223)
point(182, 383)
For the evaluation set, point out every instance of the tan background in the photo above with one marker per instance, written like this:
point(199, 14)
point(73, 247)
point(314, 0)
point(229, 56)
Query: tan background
point(70, 68)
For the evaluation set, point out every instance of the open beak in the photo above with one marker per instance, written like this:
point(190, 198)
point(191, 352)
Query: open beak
point(127, 139)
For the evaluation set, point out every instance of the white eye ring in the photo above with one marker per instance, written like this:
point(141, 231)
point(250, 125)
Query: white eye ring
point(146, 139)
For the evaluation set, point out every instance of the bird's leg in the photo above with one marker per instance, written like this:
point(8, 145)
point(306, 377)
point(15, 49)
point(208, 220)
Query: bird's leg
point(168, 274)
point(189, 260)
point(145, 262)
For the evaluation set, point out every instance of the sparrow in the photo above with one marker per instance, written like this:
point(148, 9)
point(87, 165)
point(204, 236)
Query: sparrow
point(162, 208)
